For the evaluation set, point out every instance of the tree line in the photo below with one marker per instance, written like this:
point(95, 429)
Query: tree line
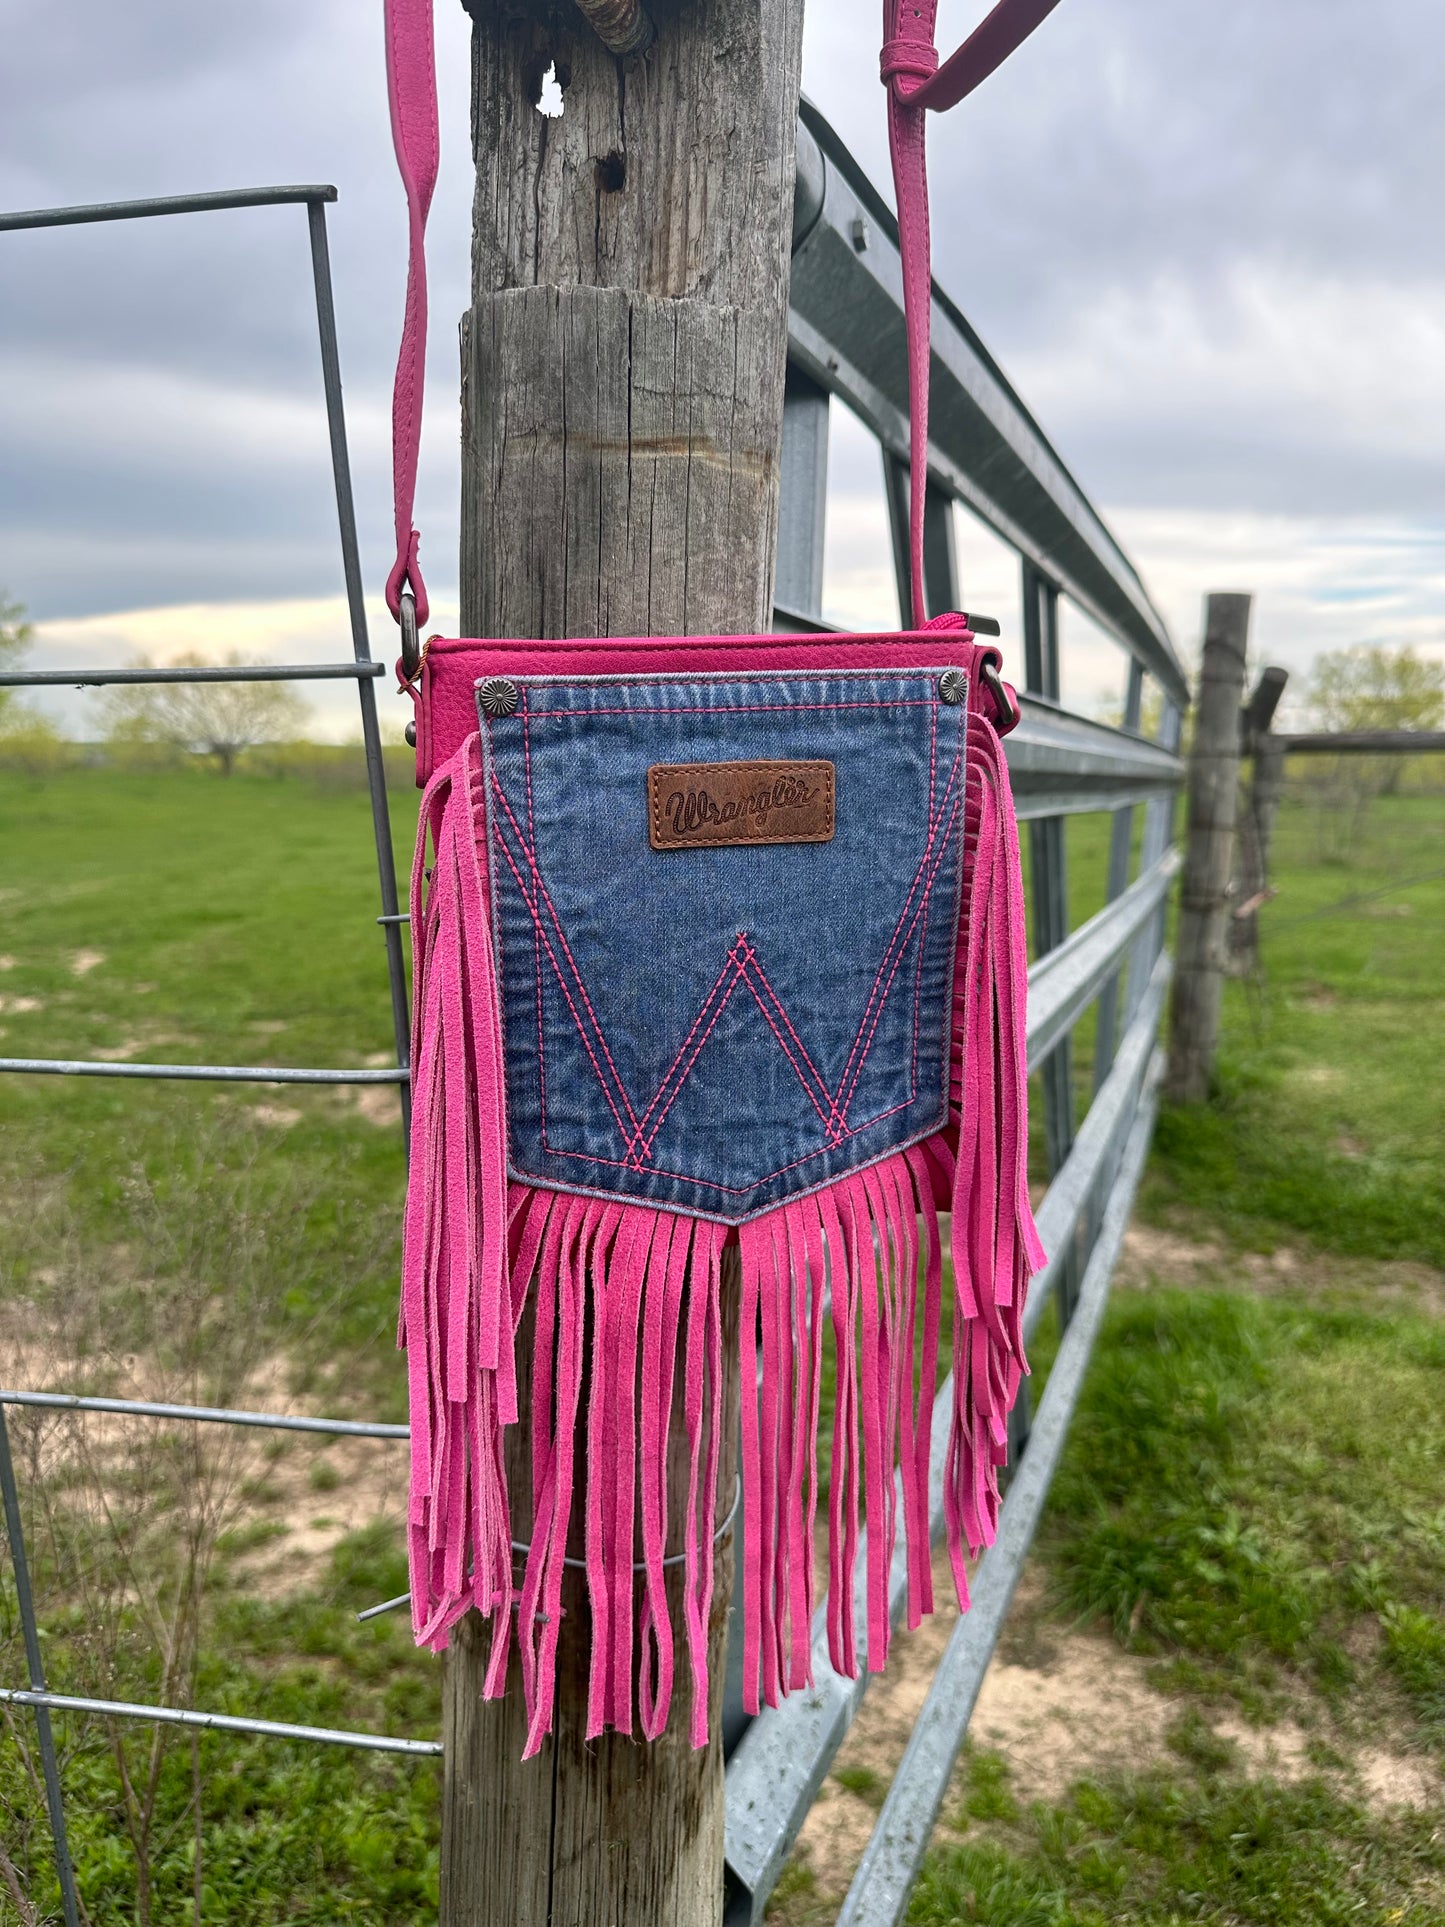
point(1370, 686)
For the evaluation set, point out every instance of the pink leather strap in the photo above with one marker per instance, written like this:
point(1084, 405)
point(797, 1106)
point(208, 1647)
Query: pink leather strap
point(910, 70)
point(412, 91)
point(916, 82)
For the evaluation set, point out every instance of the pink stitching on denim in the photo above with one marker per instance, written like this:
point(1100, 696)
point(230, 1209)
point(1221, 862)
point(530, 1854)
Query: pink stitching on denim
point(531, 857)
point(538, 939)
point(899, 940)
point(783, 1046)
point(923, 933)
point(637, 1142)
point(937, 858)
point(640, 1140)
point(918, 987)
point(893, 974)
point(635, 1162)
point(920, 914)
point(731, 958)
point(638, 1146)
point(737, 709)
point(641, 1147)
point(634, 1142)
point(740, 709)
point(527, 762)
point(887, 951)
point(562, 984)
point(883, 960)
point(536, 932)
point(944, 841)
point(715, 1184)
point(723, 1003)
point(781, 1009)
point(932, 751)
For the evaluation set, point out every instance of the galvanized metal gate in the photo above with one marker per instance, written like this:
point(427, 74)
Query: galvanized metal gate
point(846, 340)
point(363, 671)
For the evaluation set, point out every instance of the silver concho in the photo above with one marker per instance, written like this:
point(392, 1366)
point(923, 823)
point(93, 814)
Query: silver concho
point(498, 696)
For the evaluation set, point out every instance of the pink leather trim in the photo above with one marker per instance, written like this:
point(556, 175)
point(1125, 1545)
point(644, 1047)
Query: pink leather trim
point(910, 69)
point(446, 711)
point(412, 93)
point(915, 82)
point(996, 36)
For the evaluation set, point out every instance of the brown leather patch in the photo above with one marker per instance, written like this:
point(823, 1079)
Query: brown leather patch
point(692, 806)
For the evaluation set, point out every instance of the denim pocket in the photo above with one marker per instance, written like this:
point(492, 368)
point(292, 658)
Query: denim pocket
point(715, 1026)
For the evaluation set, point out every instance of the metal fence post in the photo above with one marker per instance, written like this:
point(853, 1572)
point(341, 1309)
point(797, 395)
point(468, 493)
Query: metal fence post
point(1121, 839)
point(940, 548)
point(356, 607)
point(1049, 893)
point(25, 1600)
point(802, 500)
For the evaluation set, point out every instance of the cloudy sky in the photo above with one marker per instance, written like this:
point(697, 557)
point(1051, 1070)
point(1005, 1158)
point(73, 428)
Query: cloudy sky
point(1205, 241)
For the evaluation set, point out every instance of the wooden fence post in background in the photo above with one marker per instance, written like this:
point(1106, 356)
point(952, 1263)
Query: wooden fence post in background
point(1209, 849)
point(1256, 828)
point(622, 396)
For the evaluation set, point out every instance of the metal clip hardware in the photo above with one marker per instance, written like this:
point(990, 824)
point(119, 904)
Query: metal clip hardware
point(410, 645)
point(1005, 705)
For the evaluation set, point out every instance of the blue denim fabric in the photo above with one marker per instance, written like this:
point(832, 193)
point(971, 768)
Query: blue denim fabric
point(718, 1029)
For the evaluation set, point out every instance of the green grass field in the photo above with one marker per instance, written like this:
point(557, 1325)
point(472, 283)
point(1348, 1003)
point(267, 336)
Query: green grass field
point(1252, 1497)
point(233, 1246)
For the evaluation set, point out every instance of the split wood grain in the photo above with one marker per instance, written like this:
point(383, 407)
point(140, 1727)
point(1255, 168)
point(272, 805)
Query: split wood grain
point(622, 388)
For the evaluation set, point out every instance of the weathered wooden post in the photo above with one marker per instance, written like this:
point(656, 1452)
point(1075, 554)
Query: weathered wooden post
point(622, 394)
point(1266, 779)
point(1209, 850)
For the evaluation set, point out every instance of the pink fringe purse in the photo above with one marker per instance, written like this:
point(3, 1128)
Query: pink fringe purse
point(775, 999)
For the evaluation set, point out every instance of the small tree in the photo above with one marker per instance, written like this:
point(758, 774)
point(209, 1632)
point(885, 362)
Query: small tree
point(1368, 687)
point(15, 634)
point(1375, 687)
point(29, 741)
point(218, 719)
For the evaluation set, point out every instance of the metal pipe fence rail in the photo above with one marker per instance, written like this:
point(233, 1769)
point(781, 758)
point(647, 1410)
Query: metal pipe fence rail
point(253, 672)
point(363, 671)
point(846, 339)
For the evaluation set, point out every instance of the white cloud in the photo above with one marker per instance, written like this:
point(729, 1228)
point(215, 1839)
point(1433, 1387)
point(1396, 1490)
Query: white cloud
point(1204, 243)
point(1275, 387)
point(146, 419)
point(1319, 582)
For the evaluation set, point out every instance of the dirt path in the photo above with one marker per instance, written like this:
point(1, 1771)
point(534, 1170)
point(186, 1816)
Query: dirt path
point(1061, 1703)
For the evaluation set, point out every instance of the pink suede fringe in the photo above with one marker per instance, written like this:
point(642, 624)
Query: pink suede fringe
point(622, 1292)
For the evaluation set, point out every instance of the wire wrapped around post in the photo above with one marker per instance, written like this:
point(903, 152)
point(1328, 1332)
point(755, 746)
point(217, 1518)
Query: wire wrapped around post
point(622, 26)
